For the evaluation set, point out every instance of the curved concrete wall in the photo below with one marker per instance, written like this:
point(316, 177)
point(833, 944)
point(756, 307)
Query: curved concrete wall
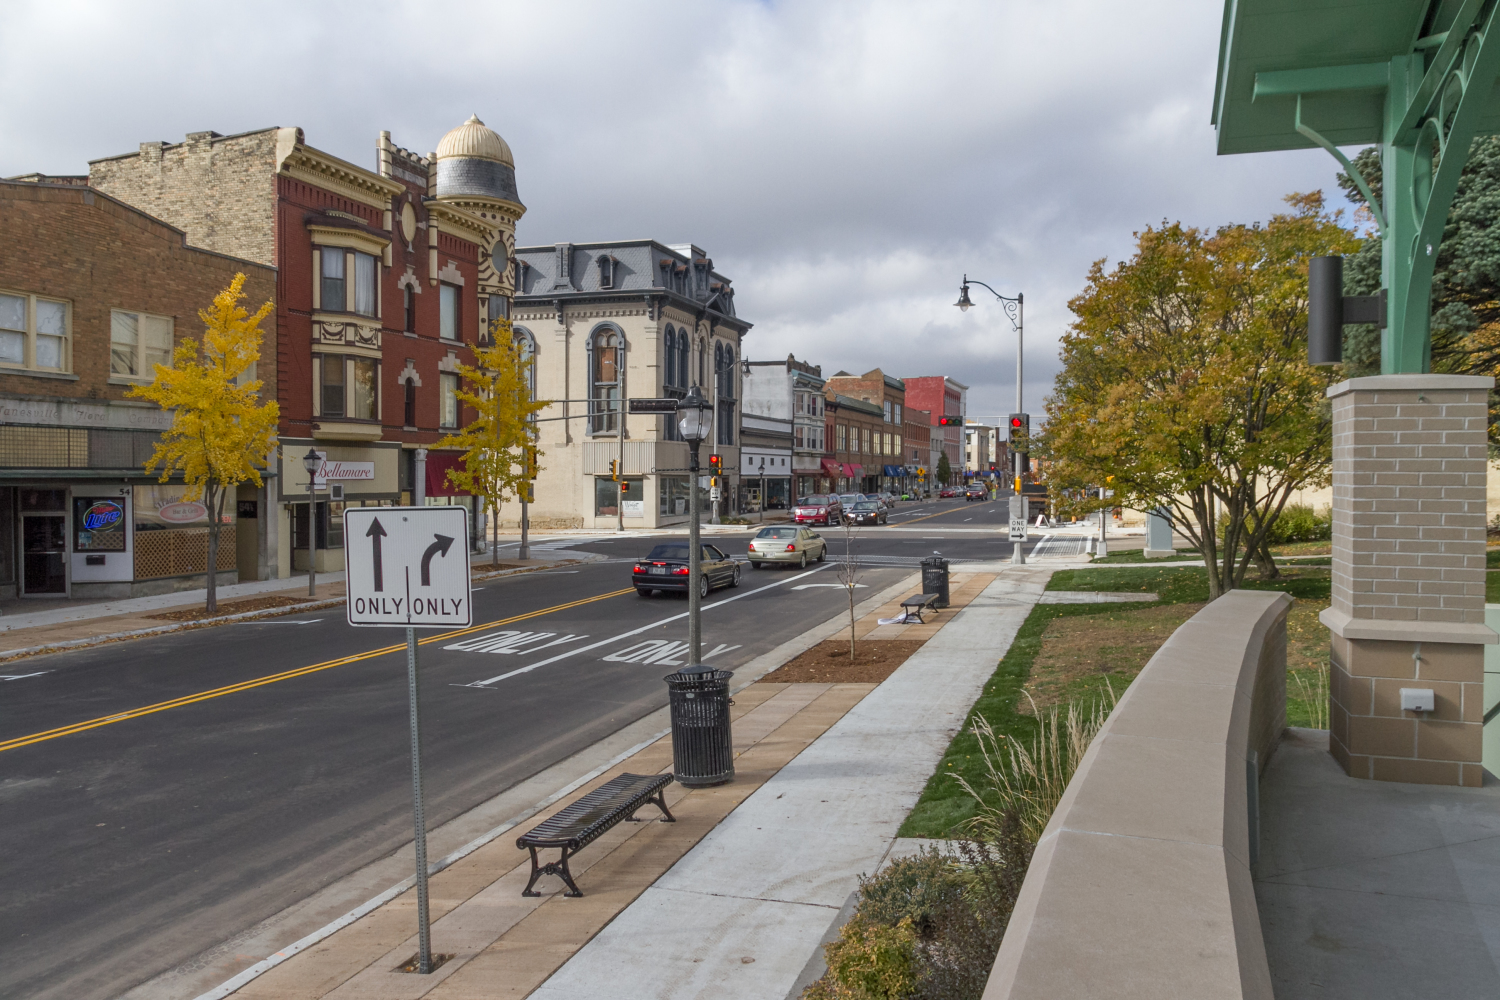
point(1140, 886)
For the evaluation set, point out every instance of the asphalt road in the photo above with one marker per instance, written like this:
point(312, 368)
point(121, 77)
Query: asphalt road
point(133, 845)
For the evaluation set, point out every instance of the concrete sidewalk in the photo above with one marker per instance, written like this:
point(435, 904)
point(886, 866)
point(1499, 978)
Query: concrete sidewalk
point(734, 898)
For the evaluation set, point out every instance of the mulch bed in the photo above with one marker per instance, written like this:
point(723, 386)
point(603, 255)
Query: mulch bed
point(229, 608)
point(828, 662)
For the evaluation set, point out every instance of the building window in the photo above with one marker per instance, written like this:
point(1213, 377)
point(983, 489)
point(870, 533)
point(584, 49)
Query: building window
point(607, 271)
point(365, 396)
point(409, 410)
point(409, 309)
point(725, 421)
point(670, 378)
point(448, 306)
point(526, 345)
point(33, 332)
point(604, 394)
point(702, 361)
point(840, 438)
point(364, 284)
point(797, 437)
point(448, 389)
point(138, 343)
point(332, 291)
point(898, 413)
point(683, 350)
point(333, 385)
point(499, 309)
point(865, 436)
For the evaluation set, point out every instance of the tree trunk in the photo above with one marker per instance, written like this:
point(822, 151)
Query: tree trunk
point(1265, 563)
point(213, 547)
point(495, 536)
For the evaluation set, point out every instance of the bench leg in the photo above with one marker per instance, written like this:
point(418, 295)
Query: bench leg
point(558, 867)
point(659, 801)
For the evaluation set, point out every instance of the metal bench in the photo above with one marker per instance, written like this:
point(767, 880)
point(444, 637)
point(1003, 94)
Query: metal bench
point(916, 605)
point(583, 822)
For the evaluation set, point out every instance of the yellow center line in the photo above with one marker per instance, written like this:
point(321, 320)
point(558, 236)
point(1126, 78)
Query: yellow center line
point(135, 713)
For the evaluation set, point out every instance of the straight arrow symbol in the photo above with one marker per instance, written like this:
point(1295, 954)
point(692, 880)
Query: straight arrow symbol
point(375, 534)
point(439, 547)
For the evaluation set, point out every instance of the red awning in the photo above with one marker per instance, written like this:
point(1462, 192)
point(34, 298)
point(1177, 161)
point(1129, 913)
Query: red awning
point(438, 464)
point(853, 471)
point(832, 468)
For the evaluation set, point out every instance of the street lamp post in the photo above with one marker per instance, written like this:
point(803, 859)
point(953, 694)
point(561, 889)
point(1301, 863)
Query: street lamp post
point(1015, 311)
point(311, 461)
point(762, 490)
point(694, 420)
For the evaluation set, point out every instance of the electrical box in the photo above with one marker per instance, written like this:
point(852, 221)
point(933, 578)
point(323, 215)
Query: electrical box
point(1417, 700)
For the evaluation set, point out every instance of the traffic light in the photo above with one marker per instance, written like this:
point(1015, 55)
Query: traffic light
point(713, 482)
point(1019, 426)
point(614, 470)
point(530, 462)
point(715, 464)
point(947, 421)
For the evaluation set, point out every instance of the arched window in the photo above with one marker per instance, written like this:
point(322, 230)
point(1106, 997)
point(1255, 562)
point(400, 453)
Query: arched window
point(683, 350)
point(526, 343)
point(671, 357)
point(409, 417)
point(604, 380)
point(718, 368)
point(702, 362)
point(726, 374)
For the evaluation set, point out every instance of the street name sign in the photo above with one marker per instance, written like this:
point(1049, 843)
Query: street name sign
point(640, 405)
point(407, 567)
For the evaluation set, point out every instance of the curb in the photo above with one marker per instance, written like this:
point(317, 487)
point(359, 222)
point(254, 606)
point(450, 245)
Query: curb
point(140, 633)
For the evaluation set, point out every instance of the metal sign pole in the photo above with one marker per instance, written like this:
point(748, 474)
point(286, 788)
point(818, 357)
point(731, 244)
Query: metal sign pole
point(424, 937)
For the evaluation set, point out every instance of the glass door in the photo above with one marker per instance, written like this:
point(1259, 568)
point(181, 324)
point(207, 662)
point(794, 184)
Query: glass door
point(44, 553)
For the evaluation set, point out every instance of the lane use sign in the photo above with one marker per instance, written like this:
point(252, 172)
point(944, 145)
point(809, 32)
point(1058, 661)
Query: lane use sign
point(407, 566)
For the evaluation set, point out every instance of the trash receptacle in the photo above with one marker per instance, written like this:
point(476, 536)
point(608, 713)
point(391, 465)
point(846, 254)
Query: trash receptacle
point(935, 578)
point(702, 746)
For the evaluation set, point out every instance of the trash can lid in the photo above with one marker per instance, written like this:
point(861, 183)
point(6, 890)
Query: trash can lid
point(698, 672)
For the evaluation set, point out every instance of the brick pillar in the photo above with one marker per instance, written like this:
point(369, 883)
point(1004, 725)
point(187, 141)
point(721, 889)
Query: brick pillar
point(1408, 576)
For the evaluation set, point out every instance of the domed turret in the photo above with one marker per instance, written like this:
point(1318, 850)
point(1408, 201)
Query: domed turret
point(472, 161)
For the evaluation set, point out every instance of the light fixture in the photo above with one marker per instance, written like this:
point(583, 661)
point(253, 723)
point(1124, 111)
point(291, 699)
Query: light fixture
point(963, 302)
point(694, 418)
point(311, 461)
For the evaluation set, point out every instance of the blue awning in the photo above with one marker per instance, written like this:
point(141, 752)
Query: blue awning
point(891, 470)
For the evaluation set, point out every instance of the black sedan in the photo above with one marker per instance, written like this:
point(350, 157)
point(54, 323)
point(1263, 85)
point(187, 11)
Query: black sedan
point(867, 512)
point(666, 568)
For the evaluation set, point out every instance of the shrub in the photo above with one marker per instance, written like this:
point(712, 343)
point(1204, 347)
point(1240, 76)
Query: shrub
point(869, 961)
point(1295, 523)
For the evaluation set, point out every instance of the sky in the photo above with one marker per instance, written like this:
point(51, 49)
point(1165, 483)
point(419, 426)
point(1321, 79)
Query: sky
point(844, 164)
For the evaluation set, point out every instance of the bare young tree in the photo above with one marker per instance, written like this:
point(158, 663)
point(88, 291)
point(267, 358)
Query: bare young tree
point(849, 571)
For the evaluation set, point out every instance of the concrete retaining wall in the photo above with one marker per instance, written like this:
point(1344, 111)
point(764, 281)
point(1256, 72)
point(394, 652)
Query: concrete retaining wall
point(1140, 886)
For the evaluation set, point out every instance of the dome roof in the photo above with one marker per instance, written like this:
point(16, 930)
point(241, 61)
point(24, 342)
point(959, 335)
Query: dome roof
point(472, 140)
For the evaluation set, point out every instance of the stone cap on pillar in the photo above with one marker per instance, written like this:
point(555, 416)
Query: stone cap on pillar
point(1433, 381)
point(1346, 626)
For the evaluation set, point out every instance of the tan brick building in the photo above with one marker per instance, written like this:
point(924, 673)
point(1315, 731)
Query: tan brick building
point(93, 293)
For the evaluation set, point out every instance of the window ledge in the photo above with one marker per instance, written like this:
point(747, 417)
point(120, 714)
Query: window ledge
point(36, 373)
point(129, 380)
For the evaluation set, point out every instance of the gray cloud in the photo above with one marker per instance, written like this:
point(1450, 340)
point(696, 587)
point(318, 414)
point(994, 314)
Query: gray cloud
point(844, 163)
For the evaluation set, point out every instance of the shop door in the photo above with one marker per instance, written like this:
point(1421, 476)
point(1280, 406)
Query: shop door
point(44, 554)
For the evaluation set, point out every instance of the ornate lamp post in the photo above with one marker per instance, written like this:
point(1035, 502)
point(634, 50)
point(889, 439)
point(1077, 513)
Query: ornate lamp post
point(311, 461)
point(1015, 311)
point(695, 419)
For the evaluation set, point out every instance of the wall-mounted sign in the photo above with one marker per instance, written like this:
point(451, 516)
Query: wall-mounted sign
point(339, 471)
point(183, 512)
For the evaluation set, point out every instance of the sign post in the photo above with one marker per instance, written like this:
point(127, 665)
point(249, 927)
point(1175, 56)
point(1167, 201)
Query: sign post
point(403, 570)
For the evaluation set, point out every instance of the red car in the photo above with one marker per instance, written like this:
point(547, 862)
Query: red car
point(820, 508)
point(947, 493)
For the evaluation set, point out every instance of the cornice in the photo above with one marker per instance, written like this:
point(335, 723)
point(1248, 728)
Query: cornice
point(509, 211)
point(319, 169)
point(480, 231)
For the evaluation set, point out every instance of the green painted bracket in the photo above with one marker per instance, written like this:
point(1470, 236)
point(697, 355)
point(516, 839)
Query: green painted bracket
point(1359, 178)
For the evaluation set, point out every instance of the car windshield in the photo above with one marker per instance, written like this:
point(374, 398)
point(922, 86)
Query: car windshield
point(677, 550)
point(866, 505)
point(777, 533)
point(816, 500)
point(850, 497)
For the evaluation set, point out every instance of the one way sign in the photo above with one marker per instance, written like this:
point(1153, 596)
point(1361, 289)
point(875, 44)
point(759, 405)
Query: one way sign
point(407, 566)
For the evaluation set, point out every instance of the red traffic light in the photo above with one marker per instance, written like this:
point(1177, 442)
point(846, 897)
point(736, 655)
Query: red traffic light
point(715, 462)
point(1015, 422)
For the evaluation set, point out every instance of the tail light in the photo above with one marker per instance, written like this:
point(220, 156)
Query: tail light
point(792, 547)
point(639, 568)
point(679, 571)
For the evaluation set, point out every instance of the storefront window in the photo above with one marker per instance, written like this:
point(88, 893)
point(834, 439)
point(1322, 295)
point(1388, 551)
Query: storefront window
point(98, 524)
point(673, 500)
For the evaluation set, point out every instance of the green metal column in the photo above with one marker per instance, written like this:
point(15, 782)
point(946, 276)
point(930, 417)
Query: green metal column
point(1406, 342)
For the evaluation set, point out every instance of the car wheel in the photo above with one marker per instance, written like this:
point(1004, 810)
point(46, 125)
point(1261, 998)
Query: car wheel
point(754, 565)
point(644, 592)
point(802, 562)
point(734, 579)
point(823, 553)
point(702, 587)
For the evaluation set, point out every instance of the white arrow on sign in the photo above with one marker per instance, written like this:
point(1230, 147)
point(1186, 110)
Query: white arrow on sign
point(407, 567)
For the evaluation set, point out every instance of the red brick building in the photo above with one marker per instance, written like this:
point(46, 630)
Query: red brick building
point(386, 280)
point(888, 470)
point(93, 294)
point(941, 397)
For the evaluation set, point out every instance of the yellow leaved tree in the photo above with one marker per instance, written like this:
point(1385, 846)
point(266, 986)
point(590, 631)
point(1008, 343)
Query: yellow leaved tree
point(497, 441)
point(221, 432)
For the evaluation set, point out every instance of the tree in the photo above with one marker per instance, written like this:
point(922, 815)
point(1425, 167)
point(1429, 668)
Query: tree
point(495, 444)
point(849, 571)
point(221, 432)
point(1185, 377)
point(944, 468)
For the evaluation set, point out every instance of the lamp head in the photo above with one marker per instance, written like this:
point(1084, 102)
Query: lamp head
point(311, 461)
point(963, 302)
point(694, 418)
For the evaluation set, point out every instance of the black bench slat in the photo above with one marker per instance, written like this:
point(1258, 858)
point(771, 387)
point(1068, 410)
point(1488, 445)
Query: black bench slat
point(582, 822)
point(919, 604)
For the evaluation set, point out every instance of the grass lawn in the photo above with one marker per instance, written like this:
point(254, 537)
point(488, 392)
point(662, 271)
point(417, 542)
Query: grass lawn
point(1492, 558)
point(1492, 588)
point(1134, 556)
point(1068, 654)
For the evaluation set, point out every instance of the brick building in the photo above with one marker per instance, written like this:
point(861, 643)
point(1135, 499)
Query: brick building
point(855, 436)
point(93, 294)
point(917, 442)
point(386, 278)
point(941, 397)
point(887, 471)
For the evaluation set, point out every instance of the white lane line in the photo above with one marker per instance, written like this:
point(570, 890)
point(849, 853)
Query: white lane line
point(22, 677)
point(276, 621)
point(835, 586)
point(634, 631)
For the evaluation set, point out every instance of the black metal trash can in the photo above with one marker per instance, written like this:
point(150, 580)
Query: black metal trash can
point(935, 578)
point(702, 746)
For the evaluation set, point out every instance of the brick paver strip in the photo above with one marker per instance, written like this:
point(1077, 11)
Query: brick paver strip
point(505, 944)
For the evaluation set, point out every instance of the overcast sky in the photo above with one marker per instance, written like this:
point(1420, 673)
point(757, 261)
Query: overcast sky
point(843, 163)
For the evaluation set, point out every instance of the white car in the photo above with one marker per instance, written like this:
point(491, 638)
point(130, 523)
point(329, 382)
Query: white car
point(792, 545)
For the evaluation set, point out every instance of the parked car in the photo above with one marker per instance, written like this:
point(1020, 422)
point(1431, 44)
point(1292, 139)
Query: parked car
point(820, 508)
point(890, 498)
point(976, 493)
point(666, 568)
point(795, 546)
point(947, 493)
point(850, 499)
point(867, 512)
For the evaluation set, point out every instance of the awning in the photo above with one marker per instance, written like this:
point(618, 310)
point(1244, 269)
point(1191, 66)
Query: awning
point(438, 464)
point(853, 471)
point(833, 468)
